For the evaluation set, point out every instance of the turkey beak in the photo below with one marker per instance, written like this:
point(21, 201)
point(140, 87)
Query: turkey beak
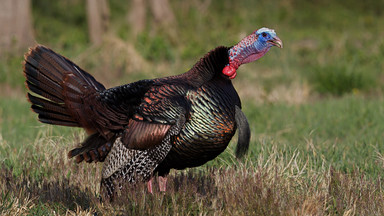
point(276, 42)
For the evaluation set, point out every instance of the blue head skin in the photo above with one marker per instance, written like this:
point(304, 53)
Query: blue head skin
point(266, 38)
point(250, 49)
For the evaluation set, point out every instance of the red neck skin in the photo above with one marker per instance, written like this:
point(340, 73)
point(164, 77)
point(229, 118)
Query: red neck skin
point(244, 52)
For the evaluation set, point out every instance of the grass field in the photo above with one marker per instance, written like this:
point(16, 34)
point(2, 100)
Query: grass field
point(320, 158)
point(315, 109)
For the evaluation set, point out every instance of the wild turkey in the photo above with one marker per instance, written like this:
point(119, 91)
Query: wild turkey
point(150, 126)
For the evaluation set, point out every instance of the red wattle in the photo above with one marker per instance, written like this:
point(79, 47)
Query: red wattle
point(233, 76)
point(229, 71)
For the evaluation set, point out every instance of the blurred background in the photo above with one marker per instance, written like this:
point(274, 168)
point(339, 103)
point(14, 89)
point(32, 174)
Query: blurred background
point(331, 48)
point(321, 94)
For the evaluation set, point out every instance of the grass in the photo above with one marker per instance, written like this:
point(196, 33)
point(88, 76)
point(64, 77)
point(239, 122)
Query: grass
point(320, 158)
point(315, 110)
point(348, 131)
point(276, 183)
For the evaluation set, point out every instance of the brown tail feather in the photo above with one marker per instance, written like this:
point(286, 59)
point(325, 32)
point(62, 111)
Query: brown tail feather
point(57, 86)
point(48, 105)
point(95, 148)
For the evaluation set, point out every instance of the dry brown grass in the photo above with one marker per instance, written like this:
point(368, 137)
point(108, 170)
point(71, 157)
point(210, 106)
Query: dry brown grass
point(44, 181)
point(292, 94)
point(11, 92)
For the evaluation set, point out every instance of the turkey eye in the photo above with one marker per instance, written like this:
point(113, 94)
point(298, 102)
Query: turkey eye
point(264, 34)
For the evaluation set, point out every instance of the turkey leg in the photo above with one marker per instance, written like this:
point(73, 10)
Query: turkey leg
point(149, 186)
point(162, 183)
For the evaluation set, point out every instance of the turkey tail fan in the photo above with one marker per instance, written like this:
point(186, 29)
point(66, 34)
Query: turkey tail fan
point(57, 86)
point(244, 133)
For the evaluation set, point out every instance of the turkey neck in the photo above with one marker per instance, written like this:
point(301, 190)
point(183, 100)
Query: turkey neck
point(209, 67)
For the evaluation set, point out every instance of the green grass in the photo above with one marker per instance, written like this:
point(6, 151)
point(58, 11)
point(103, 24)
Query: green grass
point(330, 143)
point(19, 125)
point(346, 133)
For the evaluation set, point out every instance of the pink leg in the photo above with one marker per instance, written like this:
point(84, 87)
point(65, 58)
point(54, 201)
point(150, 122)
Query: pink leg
point(162, 183)
point(149, 186)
